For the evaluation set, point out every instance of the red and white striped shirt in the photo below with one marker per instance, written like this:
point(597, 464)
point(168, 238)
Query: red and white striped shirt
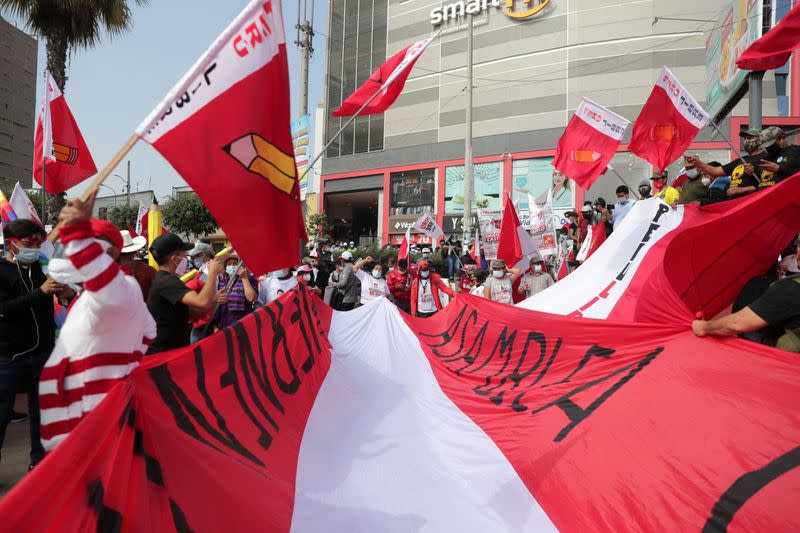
point(107, 331)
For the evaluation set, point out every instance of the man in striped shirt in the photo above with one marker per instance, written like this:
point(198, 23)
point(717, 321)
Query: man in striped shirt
point(107, 330)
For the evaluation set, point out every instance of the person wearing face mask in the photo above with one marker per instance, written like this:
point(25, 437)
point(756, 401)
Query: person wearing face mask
point(141, 271)
point(27, 328)
point(537, 280)
point(170, 301)
point(399, 283)
point(277, 283)
point(644, 190)
point(585, 220)
point(373, 286)
point(745, 172)
point(237, 302)
point(498, 286)
point(107, 330)
point(696, 187)
point(623, 205)
point(783, 159)
point(425, 288)
point(349, 286)
point(305, 274)
point(426, 255)
point(661, 189)
point(199, 258)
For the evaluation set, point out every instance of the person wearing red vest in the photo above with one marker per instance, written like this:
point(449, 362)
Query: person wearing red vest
point(425, 289)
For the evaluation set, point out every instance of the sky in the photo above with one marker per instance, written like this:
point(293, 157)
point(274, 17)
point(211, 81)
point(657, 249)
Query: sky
point(114, 86)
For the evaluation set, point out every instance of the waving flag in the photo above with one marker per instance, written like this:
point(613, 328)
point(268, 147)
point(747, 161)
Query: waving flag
point(589, 142)
point(7, 213)
point(516, 246)
point(668, 122)
point(775, 47)
point(483, 418)
point(225, 129)
point(141, 219)
point(59, 144)
point(405, 246)
point(476, 248)
point(632, 276)
point(390, 78)
point(22, 205)
point(427, 225)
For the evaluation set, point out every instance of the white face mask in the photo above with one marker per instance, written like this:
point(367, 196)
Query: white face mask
point(230, 270)
point(623, 200)
point(498, 273)
point(27, 256)
point(424, 274)
point(180, 270)
point(706, 181)
point(376, 273)
point(692, 173)
point(537, 268)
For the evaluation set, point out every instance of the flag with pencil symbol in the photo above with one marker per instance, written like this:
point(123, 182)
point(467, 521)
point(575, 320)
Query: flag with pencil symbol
point(260, 156)
point(65, 154)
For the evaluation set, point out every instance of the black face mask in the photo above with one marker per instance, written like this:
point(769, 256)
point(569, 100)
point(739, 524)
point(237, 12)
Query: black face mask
point(774, 150)
point(587, 216)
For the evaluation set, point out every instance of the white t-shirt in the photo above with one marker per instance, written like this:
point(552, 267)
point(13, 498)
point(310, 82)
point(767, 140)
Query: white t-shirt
point(477, 291)
point(425, 303)
point(371, 288)
point(274, 287)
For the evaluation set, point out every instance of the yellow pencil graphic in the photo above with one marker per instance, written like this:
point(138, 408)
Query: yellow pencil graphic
point(65, 154)
point(259, 155)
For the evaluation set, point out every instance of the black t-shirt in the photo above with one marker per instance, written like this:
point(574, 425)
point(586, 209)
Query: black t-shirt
point(170, 314)
point(780, 305)
point(762, 178)
point(789, 161)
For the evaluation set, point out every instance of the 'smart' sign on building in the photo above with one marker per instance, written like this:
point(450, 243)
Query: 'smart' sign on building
point(457, 10)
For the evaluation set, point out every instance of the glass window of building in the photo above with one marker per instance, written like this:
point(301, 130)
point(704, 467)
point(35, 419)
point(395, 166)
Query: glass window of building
point(488, 179)
point(535, 176)
point(412, 192)
point(357, 46)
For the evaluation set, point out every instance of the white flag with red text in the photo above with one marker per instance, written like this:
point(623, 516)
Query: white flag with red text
point(427, 225)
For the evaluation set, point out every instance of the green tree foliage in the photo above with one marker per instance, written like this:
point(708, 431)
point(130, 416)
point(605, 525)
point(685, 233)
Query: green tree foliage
point(187, 215)
point(54, 204)
point(71, 24)
point(123, 215)
point(318, 226)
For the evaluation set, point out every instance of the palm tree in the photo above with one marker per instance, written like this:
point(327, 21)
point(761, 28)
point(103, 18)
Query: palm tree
point(71, 23)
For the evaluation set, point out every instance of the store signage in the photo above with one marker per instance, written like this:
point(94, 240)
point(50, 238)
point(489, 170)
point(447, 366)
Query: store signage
point(455, 223)
point(511, 8)
point(400, 223)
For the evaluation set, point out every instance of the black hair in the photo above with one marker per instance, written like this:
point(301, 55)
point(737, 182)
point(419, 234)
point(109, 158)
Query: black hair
point(623, 189)
point(23, 228)
point(600, 201)
point(588, 202)
point(481, 276)
point(402, 263)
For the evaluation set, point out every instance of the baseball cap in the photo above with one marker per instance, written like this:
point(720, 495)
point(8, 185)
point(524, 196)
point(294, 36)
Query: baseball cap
point(167, 244)
point(347, 256)
point(107, 231)
point(585, 209)
point(498, 263)
point(572, 214)
point(770, 135)
point(644, 183)
point(752, 132)
point(200, 248)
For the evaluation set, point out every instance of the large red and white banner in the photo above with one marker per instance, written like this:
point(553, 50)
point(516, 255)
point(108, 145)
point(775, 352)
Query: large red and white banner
point(668, 122)
point(389, 79)
point(482, 418)
point(225, 128)
point(664, 265)
point(59, 145)
point(589, 142)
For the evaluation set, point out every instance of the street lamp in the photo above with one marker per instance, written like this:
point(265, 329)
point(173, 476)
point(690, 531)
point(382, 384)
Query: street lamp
point(112, 190)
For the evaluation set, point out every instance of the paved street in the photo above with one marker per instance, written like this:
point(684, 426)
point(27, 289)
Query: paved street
point(14, 462)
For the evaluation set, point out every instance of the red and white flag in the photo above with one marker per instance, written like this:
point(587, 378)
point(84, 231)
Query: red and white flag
point(589, 142)
point(59, 145)
point(427, 225)
point(405, 246)
point(225, 128)
point(561, 267)
point(22, 205)
point(389, 79)
point(516, 246)
point(668, 122)
point(141, 218)
point(476, 248)
point(775, 47)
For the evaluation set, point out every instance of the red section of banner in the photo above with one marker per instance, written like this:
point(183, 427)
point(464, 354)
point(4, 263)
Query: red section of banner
point(583, 153)
point(775, 47)
point(509, 248)
point(661, 134)
point(241, 163)
point(619, 427)
point(202, 439)
point(73, 163)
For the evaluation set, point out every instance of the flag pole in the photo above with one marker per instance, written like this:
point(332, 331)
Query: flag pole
point(45, 109)
point(735, 151)
point(614, 170)
point(44, 191)
point(231, 281)
point(101, 177)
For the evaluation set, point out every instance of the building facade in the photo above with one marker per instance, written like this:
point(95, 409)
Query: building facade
point(532, 62)
point(17, 105)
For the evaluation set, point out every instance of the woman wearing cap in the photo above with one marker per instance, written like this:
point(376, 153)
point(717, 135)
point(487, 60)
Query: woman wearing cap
point(425, 289)
point(142, 272)
point(498, 286)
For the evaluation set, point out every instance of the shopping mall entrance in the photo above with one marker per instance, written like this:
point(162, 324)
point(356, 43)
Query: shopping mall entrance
point(354, 207)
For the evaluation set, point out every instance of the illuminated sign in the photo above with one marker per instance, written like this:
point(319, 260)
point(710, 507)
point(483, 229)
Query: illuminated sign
point(511, 8)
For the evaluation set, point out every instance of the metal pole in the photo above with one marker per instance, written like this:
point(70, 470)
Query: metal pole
point(468, 167)
point(754, 99)
point(44, 191)
point(735, 151)
point(128, 191)
point(614, 170)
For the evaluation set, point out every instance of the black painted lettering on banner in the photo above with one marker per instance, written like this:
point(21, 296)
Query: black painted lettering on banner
point(519, 378)
point(745, 487)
